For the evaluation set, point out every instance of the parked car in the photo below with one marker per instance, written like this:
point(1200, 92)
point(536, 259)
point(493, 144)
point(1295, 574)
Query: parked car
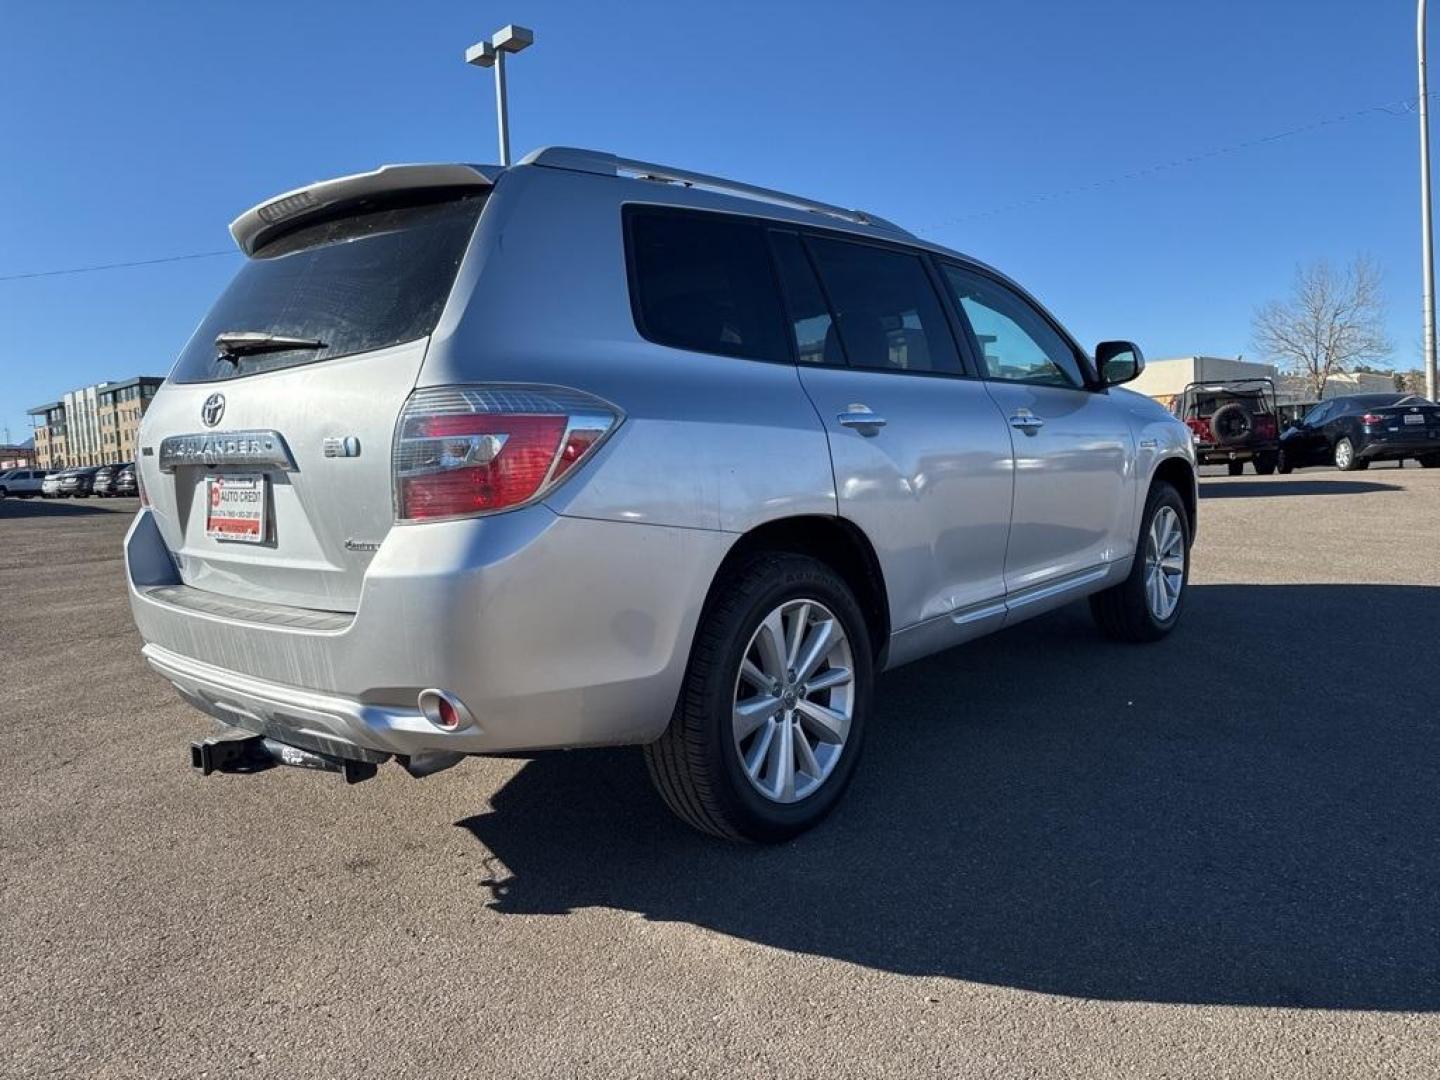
point(50, 486)
point(1351, 432)
point(105, 478)
point(77, 483)
point(125, 481)
point(686, 467)
point(21, 483)
point(1233, 421)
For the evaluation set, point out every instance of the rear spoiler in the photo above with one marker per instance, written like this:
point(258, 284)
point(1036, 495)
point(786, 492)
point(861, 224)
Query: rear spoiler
point(284, 213)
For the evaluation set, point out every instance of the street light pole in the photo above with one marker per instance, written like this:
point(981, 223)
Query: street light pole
point(502, 108)
point(511, 39)
point(1428, 256)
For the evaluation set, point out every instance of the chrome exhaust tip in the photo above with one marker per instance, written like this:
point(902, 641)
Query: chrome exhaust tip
point(444, 710)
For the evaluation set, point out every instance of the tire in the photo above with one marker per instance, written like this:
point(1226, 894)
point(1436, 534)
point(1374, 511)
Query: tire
point(1429, 461)
point(1234, 468)
point(697, 765)
point(3, 493)
point(1231, 424)
point(1282, 464)
point(1125, 612)
point(1266, 464)
point(1345, 457)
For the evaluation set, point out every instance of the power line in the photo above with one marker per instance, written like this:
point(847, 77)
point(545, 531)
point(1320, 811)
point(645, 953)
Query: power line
point(1390, 108)
point(117, 265)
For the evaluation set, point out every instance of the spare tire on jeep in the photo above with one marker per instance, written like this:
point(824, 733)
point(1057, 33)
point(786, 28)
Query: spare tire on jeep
point(1232, 423)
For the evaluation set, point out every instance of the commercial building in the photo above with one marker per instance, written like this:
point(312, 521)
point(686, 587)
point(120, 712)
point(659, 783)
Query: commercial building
point(94, 425)
point(1164, 380)
point(16, 457)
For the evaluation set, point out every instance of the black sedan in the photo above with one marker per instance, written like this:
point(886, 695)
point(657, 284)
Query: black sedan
point(1351, 432)
point(77, 483)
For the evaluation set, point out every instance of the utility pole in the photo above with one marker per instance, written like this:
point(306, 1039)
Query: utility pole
point(1427, 264)
point(511, 39)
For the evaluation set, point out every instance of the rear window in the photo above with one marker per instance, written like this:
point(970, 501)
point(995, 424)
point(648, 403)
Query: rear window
point(357, 283)
point(1205, 403)
point(704, 282)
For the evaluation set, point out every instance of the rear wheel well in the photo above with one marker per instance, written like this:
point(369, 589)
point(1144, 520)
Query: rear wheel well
point(1178, 474)
point(834, 541)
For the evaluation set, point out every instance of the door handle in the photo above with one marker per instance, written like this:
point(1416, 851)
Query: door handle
point(1026, 421)
point(861, 419)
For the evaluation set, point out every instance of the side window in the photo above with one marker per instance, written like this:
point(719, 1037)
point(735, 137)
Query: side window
point(888, 316)
point(704, 282)
point(1318, 415)
point(810, 321)
point(1016, 342)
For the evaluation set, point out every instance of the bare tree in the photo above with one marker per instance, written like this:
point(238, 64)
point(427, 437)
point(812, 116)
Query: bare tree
point(1332, 322)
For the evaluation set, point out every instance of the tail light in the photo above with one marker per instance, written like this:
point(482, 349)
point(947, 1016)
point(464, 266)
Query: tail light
point(462, 451)
point(1372, 418)
point(1200, 429)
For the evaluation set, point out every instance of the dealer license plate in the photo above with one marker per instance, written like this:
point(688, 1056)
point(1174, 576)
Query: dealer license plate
point(235, 507)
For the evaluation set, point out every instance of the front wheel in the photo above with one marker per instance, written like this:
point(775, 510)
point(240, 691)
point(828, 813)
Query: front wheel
point(1146, 605)
point(1234, 468)
point(1265, 464)
point(1429, 461)
point(1282, 464)
point(771, 716)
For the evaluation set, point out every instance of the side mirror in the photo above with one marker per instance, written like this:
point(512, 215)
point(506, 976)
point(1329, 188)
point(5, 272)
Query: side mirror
point(1118, 362)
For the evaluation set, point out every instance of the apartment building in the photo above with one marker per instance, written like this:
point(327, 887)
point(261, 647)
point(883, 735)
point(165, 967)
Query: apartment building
point(51, 445)
point(119, 407)
point(94, 425)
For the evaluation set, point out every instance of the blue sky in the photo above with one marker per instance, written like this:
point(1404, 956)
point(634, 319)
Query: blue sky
point(136, 131)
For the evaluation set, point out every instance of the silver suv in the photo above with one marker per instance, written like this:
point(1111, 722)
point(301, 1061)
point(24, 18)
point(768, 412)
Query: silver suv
point(590, 451)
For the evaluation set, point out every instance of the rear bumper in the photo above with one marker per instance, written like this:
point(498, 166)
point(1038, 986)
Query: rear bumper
point(1206, 454)
point(552, 631)
point(1376, 449)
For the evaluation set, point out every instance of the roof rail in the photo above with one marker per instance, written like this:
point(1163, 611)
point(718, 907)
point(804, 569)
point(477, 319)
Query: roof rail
point(605, 164)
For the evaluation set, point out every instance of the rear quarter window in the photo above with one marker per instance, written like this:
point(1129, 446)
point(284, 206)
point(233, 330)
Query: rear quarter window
point(358, 283)
point(704, 282)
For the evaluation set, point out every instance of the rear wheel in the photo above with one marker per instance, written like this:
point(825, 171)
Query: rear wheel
point(1282, 464)
point(1265, 464)
point(1346, 460)
point(771, 716)
point(1147, 604)
point(1234, 468)
point(1429, 461)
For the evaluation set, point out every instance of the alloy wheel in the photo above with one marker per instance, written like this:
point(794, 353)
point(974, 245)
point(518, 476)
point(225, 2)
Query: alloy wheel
point(1164, 563)
point(794, 700)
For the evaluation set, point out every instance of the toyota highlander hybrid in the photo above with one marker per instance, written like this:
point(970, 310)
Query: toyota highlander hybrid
point(590, 451)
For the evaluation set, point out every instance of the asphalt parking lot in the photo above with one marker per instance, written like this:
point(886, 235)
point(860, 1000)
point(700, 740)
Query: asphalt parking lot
point(1214, 856)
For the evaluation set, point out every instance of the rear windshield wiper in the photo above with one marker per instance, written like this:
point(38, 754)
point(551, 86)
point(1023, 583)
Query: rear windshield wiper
point(233, 344)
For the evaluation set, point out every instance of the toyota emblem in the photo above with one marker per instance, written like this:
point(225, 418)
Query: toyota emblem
point(213, 409)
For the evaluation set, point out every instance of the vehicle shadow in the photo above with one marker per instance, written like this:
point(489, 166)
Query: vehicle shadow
point(1246, 489)
point(1221, 818)
point(17, 508)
